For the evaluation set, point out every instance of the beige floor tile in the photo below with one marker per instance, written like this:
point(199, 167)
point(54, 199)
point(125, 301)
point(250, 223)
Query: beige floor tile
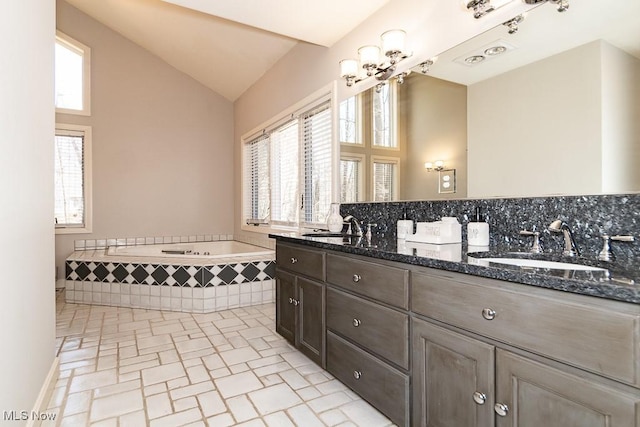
point(158, 405)
point(274, 398)
point(177, 419)
point(116, 405)
point(163, 373)
point(234, 385)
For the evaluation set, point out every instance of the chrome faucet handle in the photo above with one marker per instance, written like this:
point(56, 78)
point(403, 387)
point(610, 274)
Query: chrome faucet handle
point(536, 246)
point(369, 230)
point(606, 254)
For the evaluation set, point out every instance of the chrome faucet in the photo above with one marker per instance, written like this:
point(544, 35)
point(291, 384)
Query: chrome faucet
point(570, 247)
point(356, 227)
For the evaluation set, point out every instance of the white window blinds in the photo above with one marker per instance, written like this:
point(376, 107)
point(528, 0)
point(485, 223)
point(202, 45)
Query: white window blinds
point(256, 179)
point(284, 176)
point(350, 180)
point(69, 208)
point(287, 169)
point(385, 180)
point(317, 164)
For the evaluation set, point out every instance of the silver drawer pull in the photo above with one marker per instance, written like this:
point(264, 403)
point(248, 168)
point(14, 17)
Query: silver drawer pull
point(357, 278)
point(501, 409)
point(296, 302)
point(488, 313)
point(356, 323)
point(479, 398)
point(357, 374)
point(290, 300)
point(294, 260)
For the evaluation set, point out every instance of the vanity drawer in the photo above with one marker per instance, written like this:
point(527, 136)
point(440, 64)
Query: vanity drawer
point(381, 385)
point(379, 329)
point(381, 282)
point(308, 262)
point(594, 334)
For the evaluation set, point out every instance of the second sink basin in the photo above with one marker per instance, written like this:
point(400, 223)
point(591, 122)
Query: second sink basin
point(535, 263)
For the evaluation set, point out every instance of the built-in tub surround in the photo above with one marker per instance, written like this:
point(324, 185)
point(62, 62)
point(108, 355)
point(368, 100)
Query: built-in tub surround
point(589, 217)
point(198, 284)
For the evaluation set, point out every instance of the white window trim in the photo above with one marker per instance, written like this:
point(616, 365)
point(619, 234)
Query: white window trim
point(88, 187)
point(75, 45)
point(326, 93)
point(359, 120)
point(396, 181)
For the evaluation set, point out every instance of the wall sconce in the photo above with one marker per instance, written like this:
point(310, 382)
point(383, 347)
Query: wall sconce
point(563, 5)
point(513, 24)
point(438, 165)
point(369, 59)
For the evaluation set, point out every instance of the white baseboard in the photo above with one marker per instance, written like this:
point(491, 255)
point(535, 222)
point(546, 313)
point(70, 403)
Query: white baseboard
point(45, 393)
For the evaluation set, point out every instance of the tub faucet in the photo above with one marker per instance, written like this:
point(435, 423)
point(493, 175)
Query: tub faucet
point(356, 227)
point(570, 247)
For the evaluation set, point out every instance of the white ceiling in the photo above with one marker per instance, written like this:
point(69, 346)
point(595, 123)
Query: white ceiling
point(228, 45)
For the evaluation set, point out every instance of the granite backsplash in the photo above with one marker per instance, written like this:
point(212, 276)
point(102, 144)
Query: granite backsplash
point(589, 217)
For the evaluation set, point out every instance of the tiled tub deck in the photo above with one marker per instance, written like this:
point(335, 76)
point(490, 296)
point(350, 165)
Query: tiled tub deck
point(178, 284)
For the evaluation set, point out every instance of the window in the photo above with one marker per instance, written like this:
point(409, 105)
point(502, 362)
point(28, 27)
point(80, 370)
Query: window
point(351, 178)
point(72, 179)
point(384, 115)
point(72, 76)
point(349, 121)
point(288, 170)
point(386, 172)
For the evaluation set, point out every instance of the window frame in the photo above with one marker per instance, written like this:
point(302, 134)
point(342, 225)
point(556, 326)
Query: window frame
point(393, 117)
point(87, 227)
point(359, 134)
point(311, 102)
point(85, 52)
point(361, 159)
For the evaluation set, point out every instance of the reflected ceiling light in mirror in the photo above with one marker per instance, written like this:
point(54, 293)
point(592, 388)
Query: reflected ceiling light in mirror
point(484, 53)
point(438, 165)
point(513, 23)
point(481, 7)
point(372, 62)
point(563, 5)
point(426, 65)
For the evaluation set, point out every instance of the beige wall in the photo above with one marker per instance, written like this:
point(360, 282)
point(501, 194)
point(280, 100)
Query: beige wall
point(27, 310)
point(162, 143)
point(436, 129)
point(538, 147)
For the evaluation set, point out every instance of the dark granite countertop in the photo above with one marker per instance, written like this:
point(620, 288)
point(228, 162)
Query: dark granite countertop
point(618, 282)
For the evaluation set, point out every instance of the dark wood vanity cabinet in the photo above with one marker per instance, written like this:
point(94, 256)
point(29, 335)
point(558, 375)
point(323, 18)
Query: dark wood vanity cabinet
point(300, 301)
point(441, 349)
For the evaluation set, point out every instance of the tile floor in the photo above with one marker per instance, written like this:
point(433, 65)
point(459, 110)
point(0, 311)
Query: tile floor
point(135, 367)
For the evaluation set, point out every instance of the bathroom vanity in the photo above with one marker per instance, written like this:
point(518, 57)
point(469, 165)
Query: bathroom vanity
point(434, 343)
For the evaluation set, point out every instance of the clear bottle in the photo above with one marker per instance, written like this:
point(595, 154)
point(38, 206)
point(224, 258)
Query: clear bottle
point(404, 227)
point(478, 230)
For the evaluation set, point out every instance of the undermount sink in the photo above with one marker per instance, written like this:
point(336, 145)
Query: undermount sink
point(535, 263)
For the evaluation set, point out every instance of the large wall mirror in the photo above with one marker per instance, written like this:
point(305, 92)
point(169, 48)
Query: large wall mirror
point(553, 109)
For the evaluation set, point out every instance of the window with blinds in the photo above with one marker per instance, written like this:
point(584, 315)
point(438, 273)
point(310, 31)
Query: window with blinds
point(385, 179)
point(384, 116)
point(72, 178)
point(351, 170)
point(72, 76)
point(256, 179)
point(288, 183)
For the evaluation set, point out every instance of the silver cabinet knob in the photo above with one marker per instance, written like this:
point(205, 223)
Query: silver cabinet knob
point(296, 302)
point(357, 278)
point(479, 398)
point(488, 313)
point(501, 409)
point(290, 300)
point(357, 374)
point(356, 323)
point(294, 260)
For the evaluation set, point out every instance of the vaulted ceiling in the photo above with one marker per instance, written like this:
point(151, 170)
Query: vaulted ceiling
point(228, 45)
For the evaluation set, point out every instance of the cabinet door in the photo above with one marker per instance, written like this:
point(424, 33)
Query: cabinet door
point(452, 378)
point(538, 395)
point(311, 321)
point(286, 305)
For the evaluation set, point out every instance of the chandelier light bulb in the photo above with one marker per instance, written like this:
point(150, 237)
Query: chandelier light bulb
point(348, 68)
point(369, 56)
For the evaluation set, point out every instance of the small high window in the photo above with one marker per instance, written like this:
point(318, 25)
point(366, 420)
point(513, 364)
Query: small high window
point(72, 76)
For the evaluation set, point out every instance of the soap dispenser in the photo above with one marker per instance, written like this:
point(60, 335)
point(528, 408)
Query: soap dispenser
point(478, 230)
point(404, 227)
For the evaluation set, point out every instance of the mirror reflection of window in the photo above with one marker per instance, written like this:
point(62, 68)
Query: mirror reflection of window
point(349, 121)
point(384, 115)
point(351, 179)
point(385, 179)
